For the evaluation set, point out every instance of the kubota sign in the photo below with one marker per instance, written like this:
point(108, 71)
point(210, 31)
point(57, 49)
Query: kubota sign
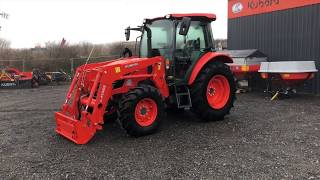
point(239, 8)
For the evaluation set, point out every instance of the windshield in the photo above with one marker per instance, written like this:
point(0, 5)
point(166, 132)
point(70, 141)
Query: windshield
point(162, 31)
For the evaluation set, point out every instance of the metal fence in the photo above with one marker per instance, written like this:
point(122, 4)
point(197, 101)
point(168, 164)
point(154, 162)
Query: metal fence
point(51, 65)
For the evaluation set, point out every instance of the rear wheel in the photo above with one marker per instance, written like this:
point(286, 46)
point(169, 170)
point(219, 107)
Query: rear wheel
point(141, 111)
point(213, 92)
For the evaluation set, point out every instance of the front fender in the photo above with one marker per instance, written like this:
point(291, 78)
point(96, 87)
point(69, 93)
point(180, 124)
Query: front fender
point(208, 57)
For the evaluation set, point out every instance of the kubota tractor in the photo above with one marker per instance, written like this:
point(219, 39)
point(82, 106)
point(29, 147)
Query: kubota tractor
point(177, 68)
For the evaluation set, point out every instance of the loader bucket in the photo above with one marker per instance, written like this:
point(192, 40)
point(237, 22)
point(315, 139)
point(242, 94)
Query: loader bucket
point(78, 131)
point(80, 128)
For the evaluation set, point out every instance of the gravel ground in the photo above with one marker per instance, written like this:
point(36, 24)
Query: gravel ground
point(259, 139)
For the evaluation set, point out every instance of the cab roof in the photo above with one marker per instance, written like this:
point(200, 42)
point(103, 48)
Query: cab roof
point(204, 16)
point(194, 16)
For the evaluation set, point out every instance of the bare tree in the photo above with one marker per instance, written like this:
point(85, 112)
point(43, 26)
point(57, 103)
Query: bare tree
point(4, 44)
point(5, 50)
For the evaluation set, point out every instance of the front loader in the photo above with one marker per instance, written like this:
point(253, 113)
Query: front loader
point(177, 68)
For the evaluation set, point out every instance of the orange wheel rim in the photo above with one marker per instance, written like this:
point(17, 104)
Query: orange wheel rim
point(218, 91)
point(146, 112)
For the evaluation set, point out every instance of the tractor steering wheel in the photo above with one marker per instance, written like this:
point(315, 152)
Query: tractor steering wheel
point(126, 51)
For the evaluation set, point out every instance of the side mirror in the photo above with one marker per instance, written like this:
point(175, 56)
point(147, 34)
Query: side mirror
point(184, 27)
point(127, 33)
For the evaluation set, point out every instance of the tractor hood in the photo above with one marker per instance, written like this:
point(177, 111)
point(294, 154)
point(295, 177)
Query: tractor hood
point(116, 67)
point(122, 63)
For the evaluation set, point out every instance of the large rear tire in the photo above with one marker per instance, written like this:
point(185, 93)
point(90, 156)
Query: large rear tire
point(141, 110)
point(213, 92)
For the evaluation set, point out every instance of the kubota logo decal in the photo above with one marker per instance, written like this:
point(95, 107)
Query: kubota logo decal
point(254, 4)
point(7, 84)
point(238, 7)
point(131, 65)
point(102, 92)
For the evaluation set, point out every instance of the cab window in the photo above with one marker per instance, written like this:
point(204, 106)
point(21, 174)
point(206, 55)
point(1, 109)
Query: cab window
point(162, 31)
point(195, 37)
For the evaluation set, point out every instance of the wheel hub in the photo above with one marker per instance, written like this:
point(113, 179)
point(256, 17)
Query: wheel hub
point(146, 112)
point(218, 91)
point(143, 111)
point(211, 91)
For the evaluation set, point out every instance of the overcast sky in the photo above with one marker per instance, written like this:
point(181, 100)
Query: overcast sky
point(34, 22)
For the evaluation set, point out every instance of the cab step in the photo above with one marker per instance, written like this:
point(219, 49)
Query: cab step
point(183, 96)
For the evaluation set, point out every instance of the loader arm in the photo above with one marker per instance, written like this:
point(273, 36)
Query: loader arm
point(93, 87)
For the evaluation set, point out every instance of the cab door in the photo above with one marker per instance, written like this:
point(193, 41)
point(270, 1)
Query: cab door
point(191, 47)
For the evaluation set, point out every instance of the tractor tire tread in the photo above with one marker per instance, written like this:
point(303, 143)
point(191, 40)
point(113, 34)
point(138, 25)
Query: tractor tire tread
point(203, 110)
point(127, 108)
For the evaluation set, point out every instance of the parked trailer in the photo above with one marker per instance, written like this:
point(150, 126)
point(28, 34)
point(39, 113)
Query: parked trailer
point(13, 78)
point(283, 77)
point(245, 66)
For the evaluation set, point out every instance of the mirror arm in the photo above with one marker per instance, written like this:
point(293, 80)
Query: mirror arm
point(136, 29)
point(128, 29)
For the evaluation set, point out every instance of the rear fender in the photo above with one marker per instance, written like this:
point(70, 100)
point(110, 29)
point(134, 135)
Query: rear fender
point(205, 59)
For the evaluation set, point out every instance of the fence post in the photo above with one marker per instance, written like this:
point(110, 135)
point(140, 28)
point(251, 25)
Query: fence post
point(72, 66)
point(23, 65)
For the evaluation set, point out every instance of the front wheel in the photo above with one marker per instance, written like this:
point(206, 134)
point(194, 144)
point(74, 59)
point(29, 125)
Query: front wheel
point(141, 111)
point(213, 92)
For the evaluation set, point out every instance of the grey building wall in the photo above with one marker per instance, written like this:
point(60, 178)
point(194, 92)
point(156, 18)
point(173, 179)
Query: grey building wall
point(292, 34)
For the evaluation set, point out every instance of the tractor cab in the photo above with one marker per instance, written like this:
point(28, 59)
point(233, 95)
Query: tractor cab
point(180, 38)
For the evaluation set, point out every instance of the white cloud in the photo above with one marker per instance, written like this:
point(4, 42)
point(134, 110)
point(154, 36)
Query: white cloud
point(98, 21)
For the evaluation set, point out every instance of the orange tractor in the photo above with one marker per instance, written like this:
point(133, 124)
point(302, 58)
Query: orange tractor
point(177, 68)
